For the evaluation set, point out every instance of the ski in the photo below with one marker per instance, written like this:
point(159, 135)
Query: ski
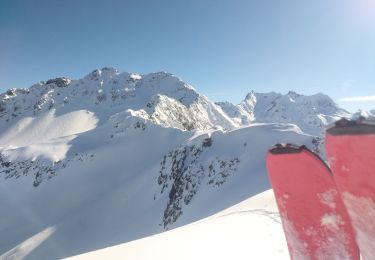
point(350, 148)
point(314, 219)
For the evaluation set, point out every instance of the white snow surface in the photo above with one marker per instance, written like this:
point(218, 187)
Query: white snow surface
point(248, 230)
point(112, 190)
point(115, 157)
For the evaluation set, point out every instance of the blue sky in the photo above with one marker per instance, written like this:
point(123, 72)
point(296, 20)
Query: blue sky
point(223, 48)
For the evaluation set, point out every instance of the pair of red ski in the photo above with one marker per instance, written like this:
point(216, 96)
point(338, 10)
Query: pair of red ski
point(328, 212)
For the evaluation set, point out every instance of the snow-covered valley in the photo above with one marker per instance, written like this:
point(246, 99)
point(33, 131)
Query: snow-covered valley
point(116, 157)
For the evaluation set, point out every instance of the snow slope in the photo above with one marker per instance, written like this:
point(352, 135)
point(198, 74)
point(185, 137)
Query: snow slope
point(46, 127)
point(114, 157)
point(115, 190)
point(248, 230)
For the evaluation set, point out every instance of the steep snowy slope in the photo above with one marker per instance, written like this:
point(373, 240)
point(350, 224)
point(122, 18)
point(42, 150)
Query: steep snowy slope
point(248, 230)
point(138, 183)
point(310, 113)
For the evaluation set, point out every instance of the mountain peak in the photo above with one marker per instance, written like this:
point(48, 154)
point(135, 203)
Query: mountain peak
point(250, 95)
point(293, 95)
point(167, 99)
point(60, 82)
point(103, 73)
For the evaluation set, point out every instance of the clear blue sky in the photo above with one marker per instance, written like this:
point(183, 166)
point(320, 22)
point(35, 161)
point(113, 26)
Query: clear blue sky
point(223, 48)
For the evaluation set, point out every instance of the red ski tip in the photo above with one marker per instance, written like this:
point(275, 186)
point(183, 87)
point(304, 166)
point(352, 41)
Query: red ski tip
point(361, 126)
point(351, 153)
point(313, 216)
point(286, 148)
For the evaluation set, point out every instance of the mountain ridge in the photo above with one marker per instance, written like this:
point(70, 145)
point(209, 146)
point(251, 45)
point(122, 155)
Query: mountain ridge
point(107, 88)
point(311, 113)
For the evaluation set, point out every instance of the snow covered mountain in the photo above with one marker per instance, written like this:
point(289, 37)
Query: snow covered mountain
point(159, 97)
point(310, 113)
point(113, 157)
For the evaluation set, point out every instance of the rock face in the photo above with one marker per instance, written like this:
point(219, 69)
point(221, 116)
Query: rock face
point(183, 172)
point(59, 82)
point(114, 157)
